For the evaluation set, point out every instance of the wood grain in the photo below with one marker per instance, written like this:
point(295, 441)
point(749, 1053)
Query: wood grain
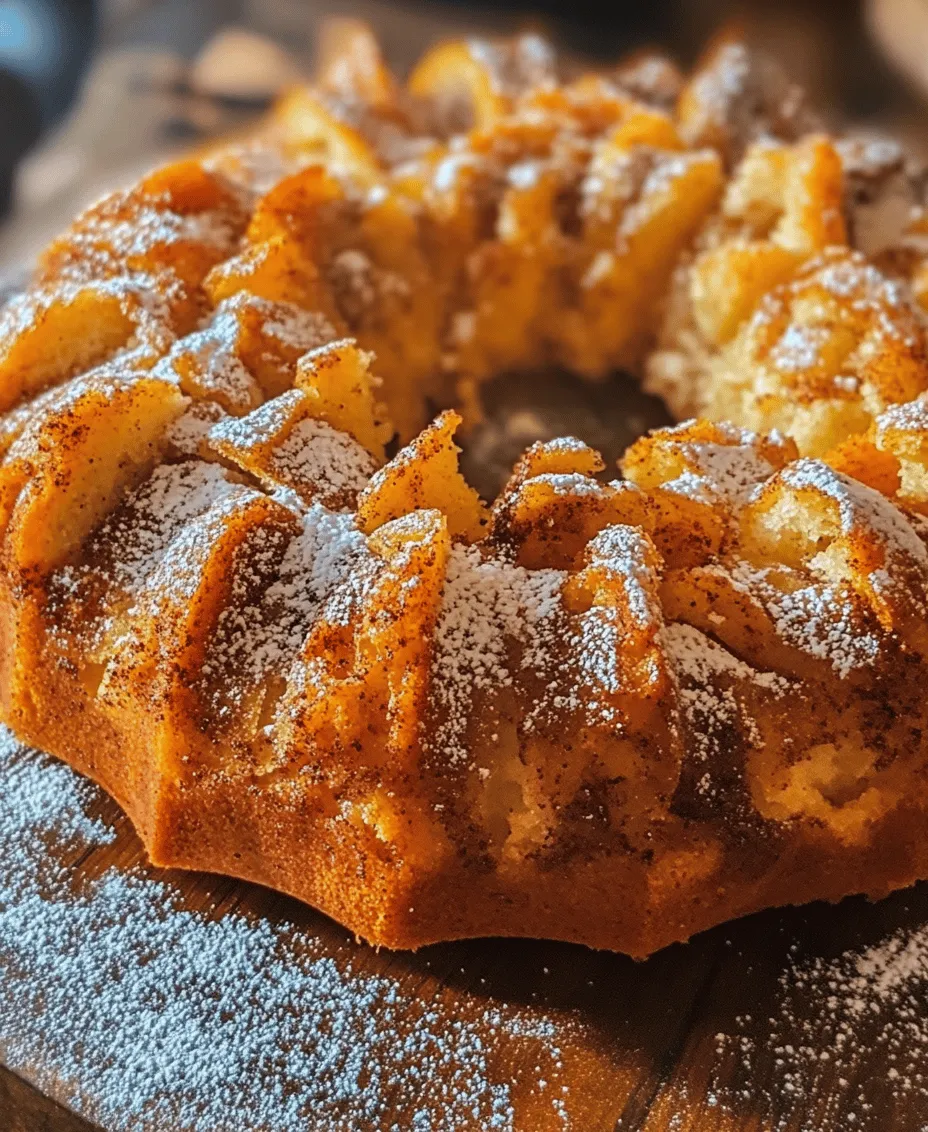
point(25, 1109)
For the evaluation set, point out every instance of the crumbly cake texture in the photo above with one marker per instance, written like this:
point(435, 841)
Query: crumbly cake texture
point(614, 711)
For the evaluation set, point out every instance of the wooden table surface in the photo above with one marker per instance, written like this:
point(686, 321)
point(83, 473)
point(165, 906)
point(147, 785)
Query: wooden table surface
point(25, 1109)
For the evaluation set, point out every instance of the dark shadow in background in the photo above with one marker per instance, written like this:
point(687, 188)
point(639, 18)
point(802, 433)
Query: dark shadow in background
point(45, 46)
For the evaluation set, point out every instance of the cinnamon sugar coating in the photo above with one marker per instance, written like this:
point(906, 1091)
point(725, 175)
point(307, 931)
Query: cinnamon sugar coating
point(244, 585)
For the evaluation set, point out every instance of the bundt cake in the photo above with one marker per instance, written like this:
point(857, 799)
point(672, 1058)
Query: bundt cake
point(245, 586)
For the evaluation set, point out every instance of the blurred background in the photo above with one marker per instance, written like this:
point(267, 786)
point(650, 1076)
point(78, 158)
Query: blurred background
point(94, 91)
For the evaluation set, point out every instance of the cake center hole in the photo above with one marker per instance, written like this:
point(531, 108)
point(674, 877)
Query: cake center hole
point(608, 415)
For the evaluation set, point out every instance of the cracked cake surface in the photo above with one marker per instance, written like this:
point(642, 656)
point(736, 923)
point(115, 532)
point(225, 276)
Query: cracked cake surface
point(245, 586)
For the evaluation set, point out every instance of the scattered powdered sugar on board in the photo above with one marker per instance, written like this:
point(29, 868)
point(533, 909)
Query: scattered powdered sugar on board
point(847, 1033)
point(145, 1015)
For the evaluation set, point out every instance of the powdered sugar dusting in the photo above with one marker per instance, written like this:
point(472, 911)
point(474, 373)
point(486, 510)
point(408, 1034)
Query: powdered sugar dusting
point(859, 507)
point(154, 1015)
point(732, 469)
point(245, 333)
point(626, 550)
point(295, 327)
point(188, 435)
point(158, 513)
point(819, 619)
point(699, 660)
point(106, 241)
point(144, 300)
point(799, 348)
point(572, 484)
point(262, 639)
point(727, 469)
point(309, 457)
point(490, 610)
point(133, 543)
point(849, 1028)
point(207, 363)
point(712, 686)
point(909, 416)
point(323, 461)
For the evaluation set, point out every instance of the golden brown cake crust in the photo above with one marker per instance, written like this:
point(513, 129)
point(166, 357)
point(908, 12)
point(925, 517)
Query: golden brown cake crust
point(612, 711)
